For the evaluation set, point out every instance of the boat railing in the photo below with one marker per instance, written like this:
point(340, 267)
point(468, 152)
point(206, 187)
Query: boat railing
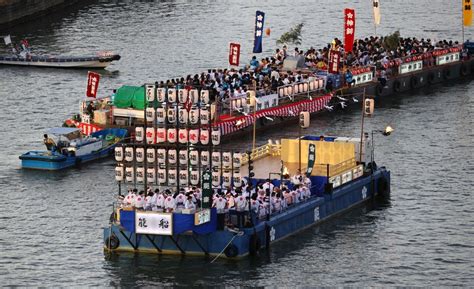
point(269, 149)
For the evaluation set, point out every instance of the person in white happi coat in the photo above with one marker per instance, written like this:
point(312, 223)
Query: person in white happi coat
point(189, 204)
point(148, 200)
point(298, 178)
point(130, 198)
point(140, 200)
point(220, 204)
point(268, 185)
point(169, 204)
point(180, 199)
point(160, 202)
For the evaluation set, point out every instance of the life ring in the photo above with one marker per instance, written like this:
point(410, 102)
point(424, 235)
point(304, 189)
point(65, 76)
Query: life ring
point(112, 242)
point(431, 78)
point(254, 245)
point(464, 70)
point(414, 82)
point(78, 162)
point(231, 251)
point(382, 187)
point(446, 73)
point(397, 86)
point(379, 89)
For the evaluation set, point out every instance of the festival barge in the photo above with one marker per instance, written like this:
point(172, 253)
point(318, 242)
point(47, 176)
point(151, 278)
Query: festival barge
point(101, 60)
point(258, 109)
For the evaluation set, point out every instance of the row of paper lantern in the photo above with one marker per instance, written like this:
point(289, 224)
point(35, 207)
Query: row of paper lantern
point(172, 156)
point(177, 95)
point(173, 135)
point(171, 114)
point(173, 176)
point(301, 87)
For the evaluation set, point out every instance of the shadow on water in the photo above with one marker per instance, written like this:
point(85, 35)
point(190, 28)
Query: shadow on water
point(135, 269)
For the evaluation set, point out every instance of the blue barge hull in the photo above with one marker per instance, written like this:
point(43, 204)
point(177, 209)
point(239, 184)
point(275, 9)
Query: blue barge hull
point(240, 243)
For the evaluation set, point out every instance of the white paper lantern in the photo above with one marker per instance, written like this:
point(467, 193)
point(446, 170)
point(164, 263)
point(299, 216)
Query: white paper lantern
point(150, 135)
point(171, 95)
point(183, 115)
point(171, 114)
point(194, 115)
point(183, 157)
point(172, 158)
point(300, 87)
point(183, 135)
point(295, 88)
point(316, 84)
point(237, 160)
point(193, 136)
point(150, 114)
point(171, 135)
point(226, 159)
point(161, 176)
point(290, 90)
point(172, 176)
point(183, 177)
point(140, 174)
point(150, 155)
point(281, 92)
point(129, 174)
point(216, 178)
point(311, 85)
point(205, 158)
point(226, 178)
point(139, 130)
point(216, 137)
point(194, 95)
point(182, 95)
point(150, 92)
point(150, 175)
point(129, 154)
point(119, 174)
point(204, 116)
point(194, 158)
point(204, 136)
point(118, 154)
point(205, 96)
point(216, 159)
point(194, 177)
point(160, 115)
point(320, 83)
point(161, 94)
point(161, 135)
point(305, 87)
point(140, 155)
point(161, 156)
point(237, 179)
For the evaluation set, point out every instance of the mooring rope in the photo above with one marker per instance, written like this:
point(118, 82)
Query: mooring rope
point(241, 233)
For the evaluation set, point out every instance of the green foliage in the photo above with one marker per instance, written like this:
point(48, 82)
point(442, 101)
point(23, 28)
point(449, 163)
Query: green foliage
point(390, 42)
point(291, 37)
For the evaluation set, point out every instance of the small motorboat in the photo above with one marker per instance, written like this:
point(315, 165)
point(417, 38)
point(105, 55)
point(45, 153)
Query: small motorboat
point(71, 148)
point(101, 60)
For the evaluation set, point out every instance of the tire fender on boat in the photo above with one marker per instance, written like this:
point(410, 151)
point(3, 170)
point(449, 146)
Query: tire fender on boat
point(464, 69)
point(446, 73)
point(112, 242)
point(231, 251)
point(382, 187)
point(254, 245)
point(414, 81)
point(397, 86)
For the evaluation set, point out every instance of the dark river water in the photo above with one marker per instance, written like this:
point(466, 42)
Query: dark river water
point(51, 223)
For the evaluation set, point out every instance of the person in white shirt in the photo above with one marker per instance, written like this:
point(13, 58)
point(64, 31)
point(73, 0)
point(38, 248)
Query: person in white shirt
point(180, 199)
point(140, 201)
point(160, 202)
point(268, 185)
point(169, 204)
point(298, 178)
point(148, 201)
point(127, 201)
point(189, 204)
point(220, 204)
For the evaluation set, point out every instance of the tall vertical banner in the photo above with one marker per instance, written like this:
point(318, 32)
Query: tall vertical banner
point(311, 159)
point(349, 29)
point(467, 12)
point(376, 4)
point(234, 54)
point(334, 59)
point(206, 190)
point(92, 84)
point(257, 43)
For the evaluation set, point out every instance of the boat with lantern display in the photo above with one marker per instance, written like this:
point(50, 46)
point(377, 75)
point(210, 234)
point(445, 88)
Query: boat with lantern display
point(72, 149)
point(342, 176)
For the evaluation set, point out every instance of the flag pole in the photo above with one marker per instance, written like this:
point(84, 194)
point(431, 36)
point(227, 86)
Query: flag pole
point(462, 20)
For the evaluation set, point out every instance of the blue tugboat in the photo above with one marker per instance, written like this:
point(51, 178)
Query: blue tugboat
point(339, 172)
point(72, 149)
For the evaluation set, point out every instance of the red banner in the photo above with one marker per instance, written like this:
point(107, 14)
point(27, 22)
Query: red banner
point(334, 59)
point(349, 29)
point(234, 54)
point(92, 84)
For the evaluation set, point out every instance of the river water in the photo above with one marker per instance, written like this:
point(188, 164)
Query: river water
point(51, 223)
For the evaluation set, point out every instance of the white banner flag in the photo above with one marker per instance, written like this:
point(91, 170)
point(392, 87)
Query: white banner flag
point(7, 39)
point(376, 4)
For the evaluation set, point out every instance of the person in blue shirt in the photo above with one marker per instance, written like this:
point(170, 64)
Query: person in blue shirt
point(349, 79)
point(254, 63)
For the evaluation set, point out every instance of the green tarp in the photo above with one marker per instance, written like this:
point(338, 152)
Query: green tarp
point(130, 96)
